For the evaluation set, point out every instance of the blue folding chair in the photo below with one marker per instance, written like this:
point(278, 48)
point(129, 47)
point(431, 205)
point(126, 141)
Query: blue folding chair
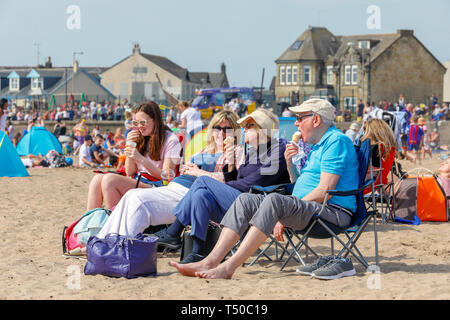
point(319, 228)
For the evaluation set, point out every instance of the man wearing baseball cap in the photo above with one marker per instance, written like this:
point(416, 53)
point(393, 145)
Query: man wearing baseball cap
point(332, 165)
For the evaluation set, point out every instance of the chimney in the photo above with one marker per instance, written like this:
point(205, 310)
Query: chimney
point(49, 63)
point(222, 68)
point(405, 33)
point(136, 48)
point(75, 66)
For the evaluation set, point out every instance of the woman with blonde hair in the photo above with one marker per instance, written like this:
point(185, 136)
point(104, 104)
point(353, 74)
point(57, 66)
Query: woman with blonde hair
point(383, 145)
point(141, 208)
point(209, 199)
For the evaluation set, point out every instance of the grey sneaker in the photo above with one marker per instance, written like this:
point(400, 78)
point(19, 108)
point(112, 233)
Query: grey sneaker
point(307, 269)
point(335, 269)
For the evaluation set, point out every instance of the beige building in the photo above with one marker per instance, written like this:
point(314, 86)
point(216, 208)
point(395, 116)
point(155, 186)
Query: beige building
point(135, 78)
point(369, 67)
point(447, 82)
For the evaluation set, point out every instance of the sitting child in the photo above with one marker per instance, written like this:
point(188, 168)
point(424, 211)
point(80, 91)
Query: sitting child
point(85, 158)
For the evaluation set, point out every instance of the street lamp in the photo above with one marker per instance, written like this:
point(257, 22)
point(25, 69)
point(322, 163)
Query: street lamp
point(73, 65)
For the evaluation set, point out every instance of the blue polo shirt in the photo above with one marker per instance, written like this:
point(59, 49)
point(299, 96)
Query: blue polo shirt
point(335, 154)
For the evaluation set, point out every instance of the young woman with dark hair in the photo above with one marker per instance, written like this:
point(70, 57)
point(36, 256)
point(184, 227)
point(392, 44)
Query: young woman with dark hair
point(156, 148)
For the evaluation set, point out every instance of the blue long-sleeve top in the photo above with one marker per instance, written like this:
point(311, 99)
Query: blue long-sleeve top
point(260, 167)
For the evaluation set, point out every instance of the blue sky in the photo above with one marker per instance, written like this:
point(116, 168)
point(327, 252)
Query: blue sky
point(248, 35)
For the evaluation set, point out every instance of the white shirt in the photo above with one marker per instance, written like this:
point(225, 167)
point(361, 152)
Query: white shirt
point(193, 119)
point(171, 149)
point(84, 153)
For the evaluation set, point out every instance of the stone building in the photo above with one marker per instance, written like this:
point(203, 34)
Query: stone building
point(369, 67)
point(447, 83)
point(134, 78)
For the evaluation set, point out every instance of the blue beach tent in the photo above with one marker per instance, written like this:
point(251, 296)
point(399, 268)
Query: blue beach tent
point(10, 163)
point(38, 141)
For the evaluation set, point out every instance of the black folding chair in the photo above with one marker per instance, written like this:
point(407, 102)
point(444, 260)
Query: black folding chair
point(319, 228)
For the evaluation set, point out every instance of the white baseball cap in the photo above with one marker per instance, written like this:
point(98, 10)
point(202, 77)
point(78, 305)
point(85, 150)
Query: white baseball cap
point(319, 106)
point(262, 118)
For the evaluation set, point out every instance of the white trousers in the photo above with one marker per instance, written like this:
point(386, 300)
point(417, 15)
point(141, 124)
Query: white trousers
point(140, 208)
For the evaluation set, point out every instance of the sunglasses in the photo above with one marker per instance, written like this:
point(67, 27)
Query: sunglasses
point(300, 118)
point(224, 129)
point(249, 126)
point(137, 123)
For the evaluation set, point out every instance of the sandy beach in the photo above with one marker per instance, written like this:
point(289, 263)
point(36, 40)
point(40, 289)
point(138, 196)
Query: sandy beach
point(414, 260)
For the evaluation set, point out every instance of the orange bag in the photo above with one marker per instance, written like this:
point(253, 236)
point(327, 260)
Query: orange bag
point(431, 200)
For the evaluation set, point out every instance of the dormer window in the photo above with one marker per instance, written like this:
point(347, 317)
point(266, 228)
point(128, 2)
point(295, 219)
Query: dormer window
point(35, 80)
point(37, 83)
point(14, 84)
point(364, 44)
point(14, 81)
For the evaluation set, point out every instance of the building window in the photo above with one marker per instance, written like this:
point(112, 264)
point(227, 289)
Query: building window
point(354, 74)
point(330, 75)
point(364, 44)
point(350, 103)
point(294, 75)
point(288, 75)
point(307, 74)
point(14, 84)
point(297, 44)
point(140, 70)
point(348, 74)
point(37, 83)
point(282, 75)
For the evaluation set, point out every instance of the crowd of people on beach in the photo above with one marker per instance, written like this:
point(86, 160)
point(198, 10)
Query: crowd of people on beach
point(93, 110)
point(416, 139)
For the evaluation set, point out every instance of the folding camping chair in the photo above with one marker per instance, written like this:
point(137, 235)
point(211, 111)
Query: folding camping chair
point(321, 229)
point(384, 190)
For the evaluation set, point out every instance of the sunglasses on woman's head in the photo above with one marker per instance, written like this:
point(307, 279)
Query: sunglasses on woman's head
point(224, 129)
point(137, 123)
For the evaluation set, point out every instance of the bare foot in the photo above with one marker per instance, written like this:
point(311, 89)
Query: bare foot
point(217, 273)
point(190, 269)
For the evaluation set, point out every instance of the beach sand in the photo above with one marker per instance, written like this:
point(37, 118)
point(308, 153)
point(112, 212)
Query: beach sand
point(414, 260)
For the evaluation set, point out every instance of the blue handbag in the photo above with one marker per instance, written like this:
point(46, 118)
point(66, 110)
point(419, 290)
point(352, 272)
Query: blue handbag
point(120, 256)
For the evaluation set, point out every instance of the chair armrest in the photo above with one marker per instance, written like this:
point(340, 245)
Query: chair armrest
point(154, 183)
point(350, 192)
point(285, 188)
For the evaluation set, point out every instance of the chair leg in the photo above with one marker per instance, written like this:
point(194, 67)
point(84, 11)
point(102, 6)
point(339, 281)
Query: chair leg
point(376, 239)
point(294, 251)
point(306, 249)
